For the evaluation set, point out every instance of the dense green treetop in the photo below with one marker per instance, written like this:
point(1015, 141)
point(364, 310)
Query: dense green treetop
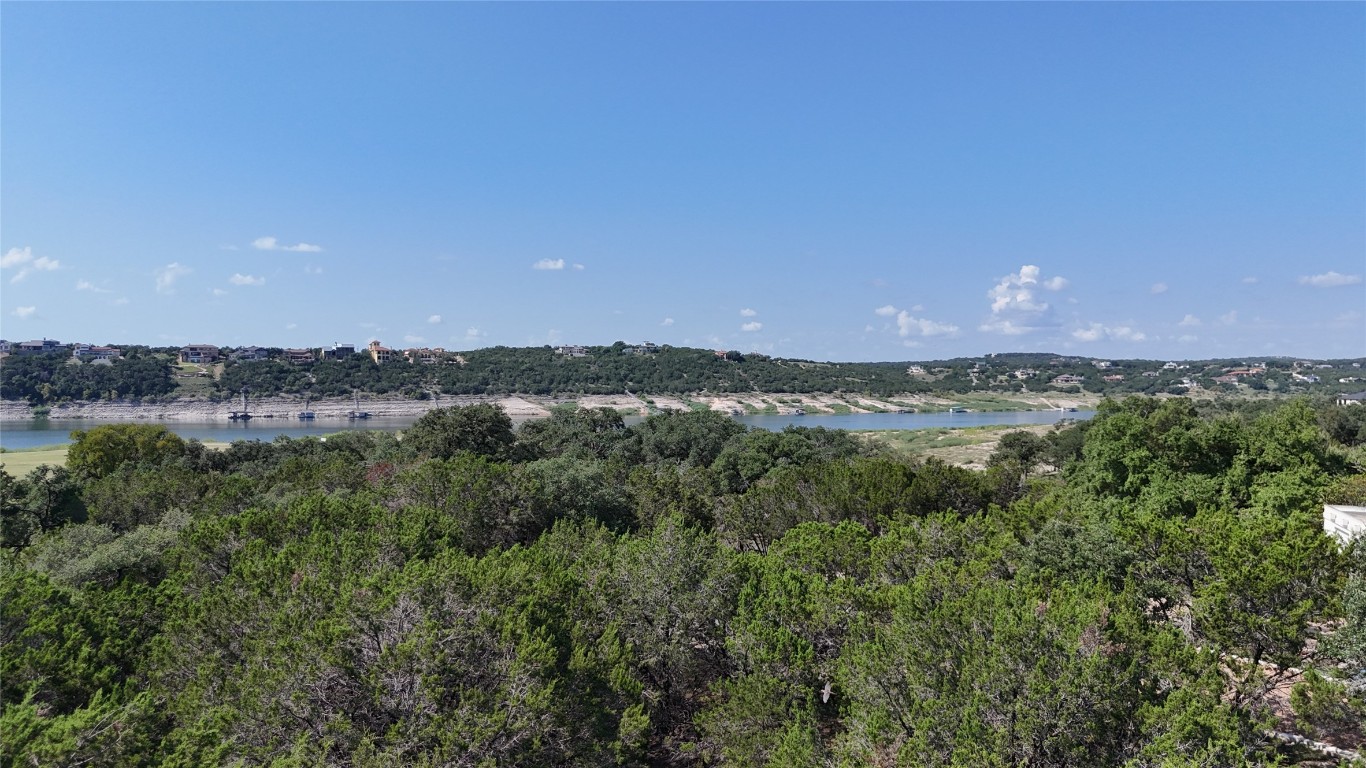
point(1139, 590)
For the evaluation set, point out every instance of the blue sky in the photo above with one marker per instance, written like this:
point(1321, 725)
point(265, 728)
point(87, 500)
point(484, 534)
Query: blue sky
point(830, 181)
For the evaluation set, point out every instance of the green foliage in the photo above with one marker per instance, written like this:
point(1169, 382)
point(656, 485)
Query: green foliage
point(97, 452)
point(680, 592)
point(480, 429)
point(55, 378)
point(695, 438)
point(587, 432)
point(1324, 708)
point(47, 498)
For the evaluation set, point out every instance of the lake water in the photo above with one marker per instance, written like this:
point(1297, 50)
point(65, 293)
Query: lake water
point(15, 435)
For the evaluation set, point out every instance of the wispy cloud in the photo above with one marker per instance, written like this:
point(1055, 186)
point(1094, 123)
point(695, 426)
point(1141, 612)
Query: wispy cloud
point(1097, 331)
point(667, 321)
point(434, 320)
point(747, 312)
point(167, 276)
point(218, 291)
point(1159, 288)
point(16, 256)
point(1015, 306)
point(241, 279)
point(27, 264)
point(550, 264)
point(1189, 320)
point(1329, 280)
point(24, 313)
point(313, 270)
point(1250, 280)
point(1231, 318)
point(752, 326)
point(86, 285)
point(474, 334)
point(272, 244)
point(579, 267)
point(908, 325)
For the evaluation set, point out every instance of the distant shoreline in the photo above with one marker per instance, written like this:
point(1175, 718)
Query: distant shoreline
point(521, 407)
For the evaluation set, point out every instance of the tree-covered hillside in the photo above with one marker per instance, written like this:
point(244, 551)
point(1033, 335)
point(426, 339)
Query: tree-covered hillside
point(619, 368)
point(1152, 587)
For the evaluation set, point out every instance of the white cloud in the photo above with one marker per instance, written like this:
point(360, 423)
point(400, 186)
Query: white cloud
point(912, 326)
point(241, 279)
point(218, 292)
point(167, 276)
point(549, 264)
point(1187, 338)
point(16, 256)
point(23, 313)
point(1096, 332)
point(86, 285)
point(1005, 328)
point(313, 270)
point(434, 320)
point(291, 326)
point(23, 258)
point(1250, 280)
point(1159, 288)
point(885, 311)
point(579, 267)
point(271, 244)
point(1015, 308)
point(228, 247)
point(747, 312)
point(752, 326)
point(1230, 318)
point(475, 333)
point(1189, 320)
point(411, 339)
point(1329, 280)
point(668, 321)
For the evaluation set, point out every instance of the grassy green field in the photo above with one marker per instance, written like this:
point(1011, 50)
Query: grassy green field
point(967, 446)
point(19, 463)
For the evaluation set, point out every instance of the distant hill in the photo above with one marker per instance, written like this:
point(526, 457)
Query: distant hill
point(649, 369)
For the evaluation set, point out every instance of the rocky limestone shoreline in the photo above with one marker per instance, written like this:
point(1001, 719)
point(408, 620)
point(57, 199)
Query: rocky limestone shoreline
point(519, 407)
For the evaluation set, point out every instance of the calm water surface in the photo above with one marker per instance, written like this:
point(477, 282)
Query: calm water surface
point(15, 435)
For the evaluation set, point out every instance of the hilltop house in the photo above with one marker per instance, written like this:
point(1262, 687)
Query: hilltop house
point(1067, 379)
point(571, 350)
point(90, 353)
point(1356, 398)
point(199, 353)
point(36, 347)
point(338, 351)
point(380, 353)
point(251, 353)
point(299, 356)
point(424, 355)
